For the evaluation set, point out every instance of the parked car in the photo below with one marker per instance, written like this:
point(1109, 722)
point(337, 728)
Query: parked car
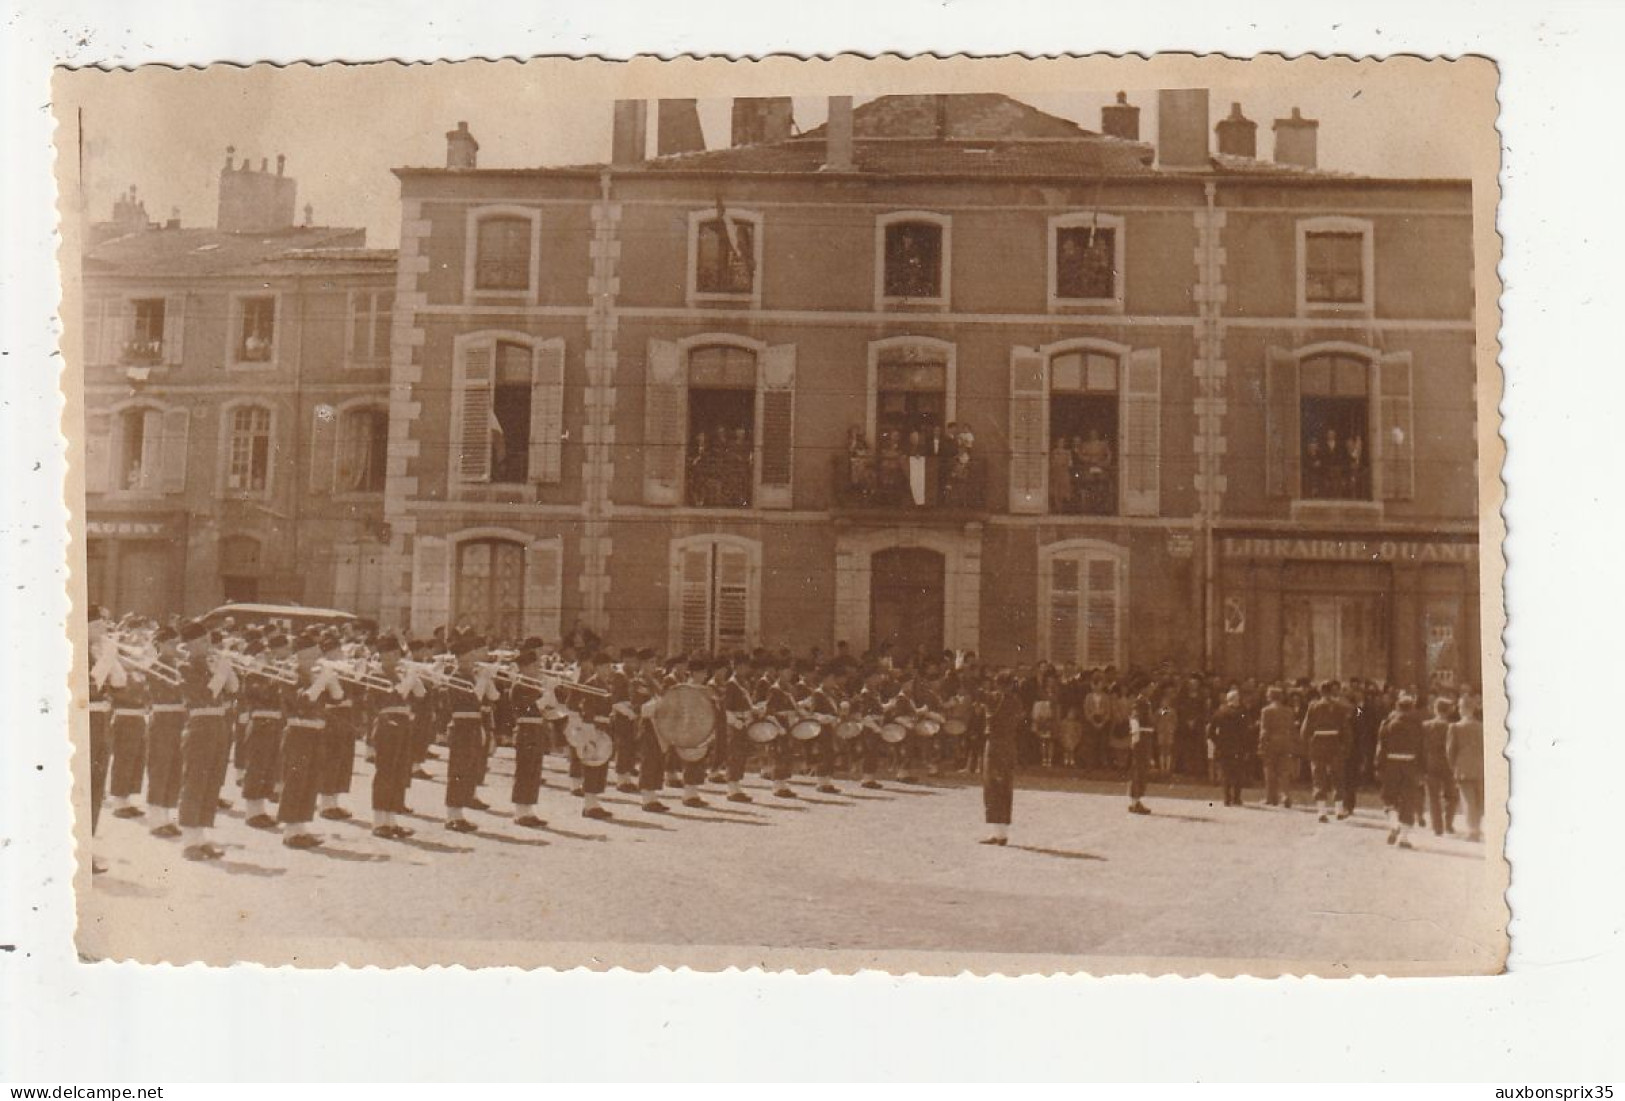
point(290, 617)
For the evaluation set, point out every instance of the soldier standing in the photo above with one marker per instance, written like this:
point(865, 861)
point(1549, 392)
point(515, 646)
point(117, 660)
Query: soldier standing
point(1325, 729)
point(1278, 746)
point(1399, 750)
point(999, 761)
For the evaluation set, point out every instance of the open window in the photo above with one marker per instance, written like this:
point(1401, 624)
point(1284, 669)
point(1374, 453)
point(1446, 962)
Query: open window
point(254, 330)
point(913, 251)
point(1338, 425)
point(725, 255)
point(1086, 261)
point(719, 423)
point(1086, 430)
point(508, 418)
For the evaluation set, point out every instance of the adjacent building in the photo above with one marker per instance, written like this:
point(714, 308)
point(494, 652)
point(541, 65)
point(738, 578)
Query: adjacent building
point(236, 393)
point(946, 372)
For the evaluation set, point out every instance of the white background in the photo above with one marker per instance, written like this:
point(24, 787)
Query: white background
point(1557, 1015)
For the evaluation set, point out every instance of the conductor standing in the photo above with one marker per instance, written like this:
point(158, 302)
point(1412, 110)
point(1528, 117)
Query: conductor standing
point(999, 760)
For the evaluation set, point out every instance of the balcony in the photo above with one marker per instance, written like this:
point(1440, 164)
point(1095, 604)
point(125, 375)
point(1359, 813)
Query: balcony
point(142, 353)
point(890, 483)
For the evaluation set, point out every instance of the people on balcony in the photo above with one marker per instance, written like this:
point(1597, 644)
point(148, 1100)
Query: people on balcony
point(719, 468)
point(1334, 466)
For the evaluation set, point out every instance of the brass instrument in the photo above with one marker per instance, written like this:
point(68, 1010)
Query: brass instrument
point(248, 667)
point(147, 662)
point(352, 672)
point(543, 680)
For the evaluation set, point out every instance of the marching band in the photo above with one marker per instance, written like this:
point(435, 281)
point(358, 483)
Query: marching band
point(171, 711)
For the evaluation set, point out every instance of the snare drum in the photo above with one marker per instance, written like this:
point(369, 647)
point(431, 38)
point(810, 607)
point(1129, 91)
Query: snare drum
point(893, 732)
point(805, 730)
point(847, 729)
point(763, 731)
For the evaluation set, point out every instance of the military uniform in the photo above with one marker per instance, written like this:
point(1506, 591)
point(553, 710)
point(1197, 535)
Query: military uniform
point(1399, 762)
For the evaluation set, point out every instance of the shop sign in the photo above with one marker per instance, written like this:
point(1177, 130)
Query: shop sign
point(134, 529)
point(1349, 550)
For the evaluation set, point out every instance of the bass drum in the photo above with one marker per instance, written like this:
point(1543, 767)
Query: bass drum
point(684, 717)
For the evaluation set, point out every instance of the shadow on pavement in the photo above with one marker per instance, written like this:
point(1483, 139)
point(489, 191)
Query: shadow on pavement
point(1065, 854)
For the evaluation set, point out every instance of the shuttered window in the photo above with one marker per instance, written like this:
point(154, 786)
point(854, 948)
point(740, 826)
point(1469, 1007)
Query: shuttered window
point(715, 600)
point(508, 419)
point(1082, 602)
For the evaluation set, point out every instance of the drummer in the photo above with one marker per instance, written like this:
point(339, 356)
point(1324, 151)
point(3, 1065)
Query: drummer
point(699, 678)
point(826, 702)
point(737, 703)
point(869, 707)
point(781, 706)
point(644, 686)
point(529, 741)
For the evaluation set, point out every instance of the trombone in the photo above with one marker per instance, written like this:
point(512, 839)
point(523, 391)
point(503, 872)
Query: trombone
point(351, 672)
point(543, 680)
point(149, 664)
point(248, 667)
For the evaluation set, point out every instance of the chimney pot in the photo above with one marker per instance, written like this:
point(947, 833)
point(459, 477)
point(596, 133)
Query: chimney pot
point(231, 156)
point(280, 161)
point(677, 127)
point(1296, 141)
point(838, 135)
point(1120, 119)
point(1238, 134)
point(310, 215)
point(1182, 129)
point(462, 151)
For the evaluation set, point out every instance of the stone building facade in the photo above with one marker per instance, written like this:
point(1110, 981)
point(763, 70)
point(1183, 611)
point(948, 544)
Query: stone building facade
point(236, 406)
point(946, 372)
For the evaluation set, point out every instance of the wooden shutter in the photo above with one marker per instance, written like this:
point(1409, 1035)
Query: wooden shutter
point(1395, 436)
point(1281, 432)
point(98, 450)
point(665, 424)
point(543, 589)
point(474, 413)
point(91, 348)
point(152, 451)
point(1102, 611)
point(1141, 435)
point(324, 431)
point(1063, 600)
point(546, 411)
point(734, 601)
point(691, 591)
point(369, 580)
point(775, 427)
point(177, 432)
point(1029, 403)
point(431, 588)
point(117, 329)
point(346, 576)
point(175, 329)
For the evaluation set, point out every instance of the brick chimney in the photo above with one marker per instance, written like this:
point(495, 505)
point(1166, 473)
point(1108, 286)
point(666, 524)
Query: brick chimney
point(255, 200)
point(630, 138)
point(677, 127)
point(838, 135)
point(1295, 140)
point(1238, 134)
point(761, 120)
point(462, 151)
point(1182, 129)
point(1120, 119)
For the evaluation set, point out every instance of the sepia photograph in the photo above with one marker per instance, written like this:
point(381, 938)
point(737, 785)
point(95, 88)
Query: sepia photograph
point(928, 515)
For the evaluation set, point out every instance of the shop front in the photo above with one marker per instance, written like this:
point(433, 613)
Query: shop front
point(136, 563)
point(1391, 608)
